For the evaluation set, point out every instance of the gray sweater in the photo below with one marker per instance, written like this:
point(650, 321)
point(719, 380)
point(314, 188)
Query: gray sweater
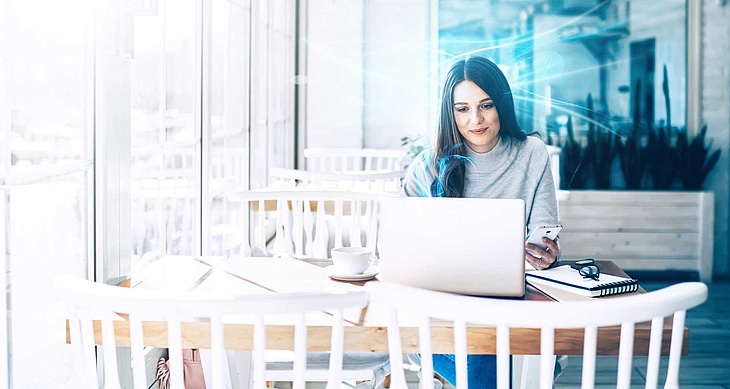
point(512, 170)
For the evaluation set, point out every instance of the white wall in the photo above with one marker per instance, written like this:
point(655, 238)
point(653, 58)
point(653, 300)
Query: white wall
point(369, 73)
point(334, 48)
point(715, 109)
point(398, 74)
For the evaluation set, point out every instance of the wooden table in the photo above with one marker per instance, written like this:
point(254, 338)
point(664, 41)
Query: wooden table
point(366, 329)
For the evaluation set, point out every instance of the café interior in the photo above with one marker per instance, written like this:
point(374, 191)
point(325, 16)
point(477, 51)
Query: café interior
point(166, 148)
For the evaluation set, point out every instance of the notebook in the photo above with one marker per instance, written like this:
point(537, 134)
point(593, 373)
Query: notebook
point(568, 279)
point(457, 245)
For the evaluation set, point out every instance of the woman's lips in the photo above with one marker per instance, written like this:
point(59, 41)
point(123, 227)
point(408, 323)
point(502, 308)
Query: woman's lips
point(478, 131)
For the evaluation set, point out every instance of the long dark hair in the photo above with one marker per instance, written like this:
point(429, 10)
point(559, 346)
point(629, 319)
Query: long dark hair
point(450, 155)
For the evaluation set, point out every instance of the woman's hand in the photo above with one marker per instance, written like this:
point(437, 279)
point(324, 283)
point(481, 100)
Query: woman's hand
point(545, 257)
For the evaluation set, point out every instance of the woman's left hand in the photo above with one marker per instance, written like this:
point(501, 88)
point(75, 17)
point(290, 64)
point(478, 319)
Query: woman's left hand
point(545, 257)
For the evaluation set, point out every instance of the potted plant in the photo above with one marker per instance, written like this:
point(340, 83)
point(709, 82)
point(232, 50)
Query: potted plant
point(631, 153)
point(414, 144)
point(694, 159)
point(647, 224)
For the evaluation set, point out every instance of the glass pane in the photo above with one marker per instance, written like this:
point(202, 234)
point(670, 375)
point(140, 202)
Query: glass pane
point(556, 54)
point(260, 149)
point(47, 232)
point(165, 174)
point(229, 68)
point(272, 132)
point(46, 85)
point(4, 334)
point(179, 193)
point(180, 69)
point(145, 83)
point(281, 73)
point(148, 218)
point(46, 80)
point(163, 205)
point(229, 108)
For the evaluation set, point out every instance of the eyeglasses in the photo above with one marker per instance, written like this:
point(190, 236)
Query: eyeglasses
point(587, 268)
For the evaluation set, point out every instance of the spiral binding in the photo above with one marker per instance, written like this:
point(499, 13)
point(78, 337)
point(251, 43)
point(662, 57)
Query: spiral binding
point(618, 287)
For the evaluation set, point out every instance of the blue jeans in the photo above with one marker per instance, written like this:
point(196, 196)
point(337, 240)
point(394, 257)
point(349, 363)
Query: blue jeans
point(482, 369)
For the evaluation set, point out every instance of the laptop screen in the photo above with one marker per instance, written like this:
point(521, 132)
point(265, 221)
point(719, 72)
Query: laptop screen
point(459, 245)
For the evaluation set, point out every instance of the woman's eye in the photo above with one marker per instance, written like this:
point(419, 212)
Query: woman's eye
point(461, 109)
point(487, 106)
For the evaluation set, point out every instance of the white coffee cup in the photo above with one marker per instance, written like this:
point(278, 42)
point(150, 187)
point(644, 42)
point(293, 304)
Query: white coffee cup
point(351, 260)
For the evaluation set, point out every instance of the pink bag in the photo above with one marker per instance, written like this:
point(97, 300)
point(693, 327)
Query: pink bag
point(192, 371)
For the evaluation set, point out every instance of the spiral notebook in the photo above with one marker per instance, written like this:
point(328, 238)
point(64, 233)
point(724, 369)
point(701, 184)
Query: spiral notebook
point(565, 278)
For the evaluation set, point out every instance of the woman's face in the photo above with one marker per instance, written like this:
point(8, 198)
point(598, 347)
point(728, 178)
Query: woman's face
point(476, 117)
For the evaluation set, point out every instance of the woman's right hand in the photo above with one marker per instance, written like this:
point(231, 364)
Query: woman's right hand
point(545, 257)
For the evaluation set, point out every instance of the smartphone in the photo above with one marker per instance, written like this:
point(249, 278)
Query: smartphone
point(537, 234)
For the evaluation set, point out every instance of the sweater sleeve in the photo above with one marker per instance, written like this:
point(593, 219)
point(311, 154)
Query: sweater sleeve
point(419, 176)
point(544, 208)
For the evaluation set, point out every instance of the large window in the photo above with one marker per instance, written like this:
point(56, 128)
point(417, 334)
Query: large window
point(45, 175)
point(556, 53)
point(123, 125)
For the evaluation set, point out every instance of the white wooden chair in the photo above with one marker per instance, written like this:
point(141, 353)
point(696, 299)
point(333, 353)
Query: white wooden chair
point(505, 314)
point(89, 301)
point(341, 160)
point(307, 223)
point(373, 180)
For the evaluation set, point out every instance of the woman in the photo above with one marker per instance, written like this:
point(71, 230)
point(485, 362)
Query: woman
point(482, 152)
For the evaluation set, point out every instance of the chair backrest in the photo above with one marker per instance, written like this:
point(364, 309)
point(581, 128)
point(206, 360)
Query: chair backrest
point(375, 180)
point(546, 316)
point(89, 301)
point(308, 224)
point(341, 160)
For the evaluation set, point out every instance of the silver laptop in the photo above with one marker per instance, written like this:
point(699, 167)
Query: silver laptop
point(457, 245)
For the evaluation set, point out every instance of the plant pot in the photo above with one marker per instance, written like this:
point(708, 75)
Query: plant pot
point(640, 230)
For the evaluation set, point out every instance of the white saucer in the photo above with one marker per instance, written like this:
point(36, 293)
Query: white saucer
point(369, 273)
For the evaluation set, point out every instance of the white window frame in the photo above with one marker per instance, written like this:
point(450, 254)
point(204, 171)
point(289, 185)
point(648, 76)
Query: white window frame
point(112, 144)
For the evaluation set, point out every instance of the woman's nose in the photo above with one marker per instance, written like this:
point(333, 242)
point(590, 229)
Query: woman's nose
point(476, 116)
